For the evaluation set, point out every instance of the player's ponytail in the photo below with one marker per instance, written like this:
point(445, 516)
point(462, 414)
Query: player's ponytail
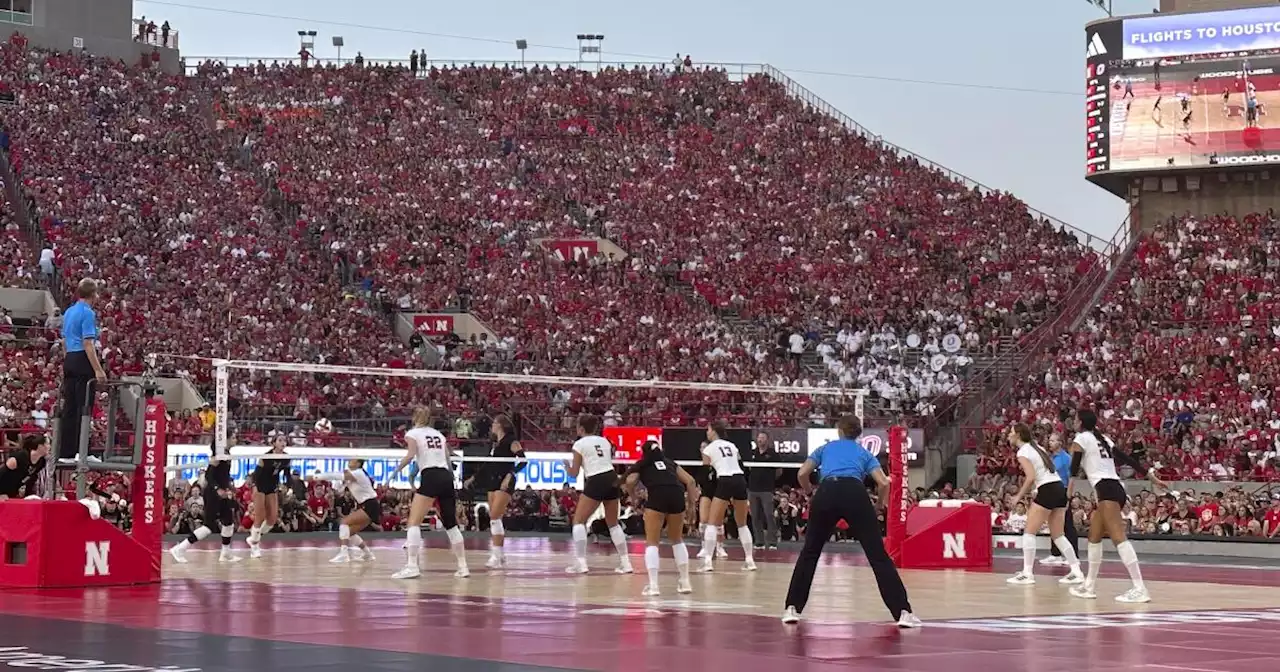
point(1089, 423)
point(652, 450)
point(1025, 436)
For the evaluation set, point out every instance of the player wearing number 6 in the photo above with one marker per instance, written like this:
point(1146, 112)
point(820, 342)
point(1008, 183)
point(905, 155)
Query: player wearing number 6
point(593, 454)
point(731, 486)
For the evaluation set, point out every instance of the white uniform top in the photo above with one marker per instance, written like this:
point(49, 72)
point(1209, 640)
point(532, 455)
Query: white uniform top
point(1097, 462)
point(360, 486)
point(1043, 474)
point(724, 458)
point(433, 449)
point(597, 454)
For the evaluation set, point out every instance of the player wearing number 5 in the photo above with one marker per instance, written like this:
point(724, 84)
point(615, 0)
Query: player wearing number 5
point(731, 486)
point(593, 454)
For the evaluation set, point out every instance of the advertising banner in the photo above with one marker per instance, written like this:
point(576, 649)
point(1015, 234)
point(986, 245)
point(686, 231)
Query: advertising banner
point(433, 325)
point(379, 462)
point(875, 440)
point(1171, 35)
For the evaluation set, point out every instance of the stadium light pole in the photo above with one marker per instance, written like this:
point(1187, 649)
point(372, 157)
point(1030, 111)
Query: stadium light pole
point(589, 44)
point(522, 45)
point(1104, 5)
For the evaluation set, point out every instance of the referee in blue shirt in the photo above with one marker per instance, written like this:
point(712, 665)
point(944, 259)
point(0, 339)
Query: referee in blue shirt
point(80, 367)
point(1062, 464)
point(843, 465)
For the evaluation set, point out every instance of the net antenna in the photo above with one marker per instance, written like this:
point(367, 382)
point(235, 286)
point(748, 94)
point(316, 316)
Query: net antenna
point(222, 370)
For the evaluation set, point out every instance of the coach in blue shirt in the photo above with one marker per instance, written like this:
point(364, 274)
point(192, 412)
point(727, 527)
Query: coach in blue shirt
point(843, 465)
point(81, 366)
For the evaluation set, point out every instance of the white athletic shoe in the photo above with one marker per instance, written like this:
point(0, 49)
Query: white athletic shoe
point(1134, 596)
point(255, 551)
point(409, 572)
point(178, 555)
point(909, 620)
point(624, 568)
point(790, 616)
point(702, 553)
point(1021, 579)
point(577, 568)
point(650, 590)
point(1084, 591)
point(1053, 561)
point(707, 566)
point(229, 557)
point(355, 553)
point(749, 566)
point(684, 587)
point(720, 552)
point(365, 556)
point(1073, 578)
point(462, 573)
point(773, 547)
point(494, 563)
point(341, 558)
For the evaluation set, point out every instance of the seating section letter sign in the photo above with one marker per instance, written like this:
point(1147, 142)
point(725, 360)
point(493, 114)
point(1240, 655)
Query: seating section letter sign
point(573, 250)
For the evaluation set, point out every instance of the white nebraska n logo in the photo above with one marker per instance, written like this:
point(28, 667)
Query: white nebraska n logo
point(96, 558)
point(953, 545)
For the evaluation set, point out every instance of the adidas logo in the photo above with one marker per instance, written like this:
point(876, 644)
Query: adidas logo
point(1096, 47)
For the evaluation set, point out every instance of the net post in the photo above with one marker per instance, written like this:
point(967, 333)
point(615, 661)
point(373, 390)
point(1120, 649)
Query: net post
point(149, 478)
point(858, 397)
point(899, 493)
point(220, 448)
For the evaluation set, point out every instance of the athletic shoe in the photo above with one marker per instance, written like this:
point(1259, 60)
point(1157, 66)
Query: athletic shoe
point(255, 551)
point(1084, 591)
point(577, 568)
point(341, 559)
point(721, 553)
point(1021, 579)
point(790, 616)
point(1054, 561)
point(773, 547)
point(462, 573)
point(909, 620)
point(1073, 578)
point(650, 590)
point(706, 566)
point(624, 568)
point(749, 566)
point(702, 553)
point(1134, 596)
point(367, 556)
point(356, 554)
point(228, 557)
point(759, 547)
point(409, 572)
point(179, 556)
point(493, 562)
point(684, 587)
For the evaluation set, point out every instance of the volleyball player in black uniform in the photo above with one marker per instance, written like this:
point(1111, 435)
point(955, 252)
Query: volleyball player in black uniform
point(20, 469)
point(219, 508)
point(706, 480)
point(500, 483)
point(266, 499)
point(668, 488)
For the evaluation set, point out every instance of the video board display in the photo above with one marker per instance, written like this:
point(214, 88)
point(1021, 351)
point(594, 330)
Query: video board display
point(1183, 90)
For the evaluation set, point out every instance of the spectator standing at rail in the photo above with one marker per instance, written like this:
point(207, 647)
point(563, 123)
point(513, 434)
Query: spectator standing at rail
point(81, 367)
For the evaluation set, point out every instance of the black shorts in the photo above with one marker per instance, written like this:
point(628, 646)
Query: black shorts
point(493, 482)
point(436, 483)
point(218, 510)
point(373, 509)
point(602, 487)
point(667, 499)
point(266, 487)
point(1111, 490)
point(1052, 495)
point(731, 488)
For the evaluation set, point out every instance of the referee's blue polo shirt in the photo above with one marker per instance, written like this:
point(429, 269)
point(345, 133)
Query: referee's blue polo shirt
point(844, 458)
point(1062, 464)
point(79, 324)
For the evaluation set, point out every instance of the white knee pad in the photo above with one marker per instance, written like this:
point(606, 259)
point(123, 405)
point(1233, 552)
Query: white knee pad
point(344, 531)
point(496, 529)
point(455, 535)
point(228, 531)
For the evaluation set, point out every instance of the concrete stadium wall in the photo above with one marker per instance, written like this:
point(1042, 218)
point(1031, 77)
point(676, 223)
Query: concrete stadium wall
point(105, 26)
point(27, 303)
point(1159, 198)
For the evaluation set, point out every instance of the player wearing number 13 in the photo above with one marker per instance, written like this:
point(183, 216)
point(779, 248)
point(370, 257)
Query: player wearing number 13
point(593, 455)
point(731, 486)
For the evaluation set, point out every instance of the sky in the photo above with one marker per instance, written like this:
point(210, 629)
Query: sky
point(992, 90)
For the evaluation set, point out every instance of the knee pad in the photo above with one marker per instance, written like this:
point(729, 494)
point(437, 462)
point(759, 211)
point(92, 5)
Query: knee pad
point(344, 531)
point(228, 531)
point(495, 528)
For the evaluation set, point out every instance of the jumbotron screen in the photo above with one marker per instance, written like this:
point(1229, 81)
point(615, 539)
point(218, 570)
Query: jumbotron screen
point(1183, 90)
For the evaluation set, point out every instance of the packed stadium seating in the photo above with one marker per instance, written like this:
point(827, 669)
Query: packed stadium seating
point(1180, 355)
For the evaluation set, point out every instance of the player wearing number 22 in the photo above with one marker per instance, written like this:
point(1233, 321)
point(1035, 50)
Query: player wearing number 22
point(844, 464)
point(593, 455)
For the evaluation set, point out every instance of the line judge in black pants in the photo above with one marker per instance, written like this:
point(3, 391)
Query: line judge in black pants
point(844, 464)
point(80, 367)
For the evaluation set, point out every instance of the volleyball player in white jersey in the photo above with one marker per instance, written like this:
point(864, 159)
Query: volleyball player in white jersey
point(368, 512)
point(593, 455)
point(1097, 455)
point(731, 487)
point(435, 488)
point(1049, 505)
